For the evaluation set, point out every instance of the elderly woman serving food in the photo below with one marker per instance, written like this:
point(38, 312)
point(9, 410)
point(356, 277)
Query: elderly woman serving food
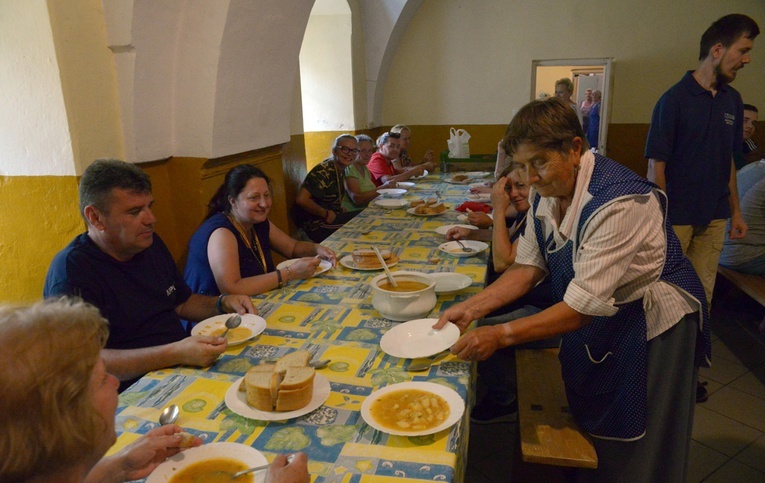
point(629, 306)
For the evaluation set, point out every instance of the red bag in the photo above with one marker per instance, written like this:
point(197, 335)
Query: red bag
point(474, 206)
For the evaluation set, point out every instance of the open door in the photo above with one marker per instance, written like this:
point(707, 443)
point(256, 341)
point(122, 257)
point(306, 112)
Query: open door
point(585, 74)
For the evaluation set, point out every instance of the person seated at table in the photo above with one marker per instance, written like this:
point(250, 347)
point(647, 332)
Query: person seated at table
point(381, 164)
point(59, 404)
point(404, 161)
point(627, 299)
point(359, 185)
point(318, 209)
point(122, 267)
point(750, 152)
point(231, 250)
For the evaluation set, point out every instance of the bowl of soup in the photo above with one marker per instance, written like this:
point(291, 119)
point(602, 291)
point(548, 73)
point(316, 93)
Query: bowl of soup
point(414, 297)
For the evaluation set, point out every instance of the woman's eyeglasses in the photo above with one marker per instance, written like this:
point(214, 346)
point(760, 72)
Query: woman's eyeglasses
point(347, 150)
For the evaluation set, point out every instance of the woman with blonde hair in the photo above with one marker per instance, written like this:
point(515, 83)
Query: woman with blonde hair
point(404, 161)
point(564, 89)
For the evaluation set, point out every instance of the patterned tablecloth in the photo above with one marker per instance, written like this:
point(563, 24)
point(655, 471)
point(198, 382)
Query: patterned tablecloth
point(332, 317)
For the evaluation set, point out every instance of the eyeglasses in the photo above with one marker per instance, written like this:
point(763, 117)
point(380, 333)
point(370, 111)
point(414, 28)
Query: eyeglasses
point(394, 135)
point(347, 150)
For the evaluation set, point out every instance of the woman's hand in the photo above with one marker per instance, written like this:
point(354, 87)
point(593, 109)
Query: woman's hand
point(480, 219)
point(327, 254)
point(499, 197)
point(304, 268)
point(295, 471)
point(459, 233)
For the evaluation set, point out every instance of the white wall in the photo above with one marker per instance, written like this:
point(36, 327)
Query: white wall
point(33, 121)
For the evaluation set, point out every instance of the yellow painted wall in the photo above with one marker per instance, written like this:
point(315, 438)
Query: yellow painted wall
point(38, 217)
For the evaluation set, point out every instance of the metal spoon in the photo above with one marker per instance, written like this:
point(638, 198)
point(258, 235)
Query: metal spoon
point(232, 323)
point(464, 248)
point(319, 364)
point(387, 272)
point(169, 415)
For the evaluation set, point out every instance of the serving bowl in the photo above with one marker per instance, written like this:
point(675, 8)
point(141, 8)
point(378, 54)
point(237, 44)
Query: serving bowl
point(402, 306)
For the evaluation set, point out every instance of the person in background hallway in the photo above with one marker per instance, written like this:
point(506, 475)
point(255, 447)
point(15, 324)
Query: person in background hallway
point(231, 251)
point(750, 152)
point(121, 266)
point(404, 161)
point(585, 107)
point(564, 89)
point(318, 209)
point(593, 125)
point(359, 186)
point(626, 302)
point(694, 165)
point(59, 403)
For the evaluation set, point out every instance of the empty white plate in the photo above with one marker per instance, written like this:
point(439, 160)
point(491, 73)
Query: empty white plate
point(391, 203)
point(453, 248)
point(441, 230)
point(449, 282)
point(392, 192)
point(417, 338)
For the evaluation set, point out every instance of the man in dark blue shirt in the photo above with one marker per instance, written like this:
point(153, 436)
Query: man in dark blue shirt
point(696, 128)
point(122, 267)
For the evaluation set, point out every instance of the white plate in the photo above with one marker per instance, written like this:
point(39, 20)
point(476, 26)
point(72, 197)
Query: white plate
point(478, 246)
point(455, 402)
point(392, 192)
point(347, 262)
point(449, 282)
point(236, 451)
point(480, 197)
point(465, 217)
point(417, 338)
point(479, 175)
point(453, 181)
point(411, 212)
point(236, 401)
point(424, 173)
point(405, 184)
point(254, 323)
point(479, 186)
point(441, 230)
point(391, 203)
point(324, 265)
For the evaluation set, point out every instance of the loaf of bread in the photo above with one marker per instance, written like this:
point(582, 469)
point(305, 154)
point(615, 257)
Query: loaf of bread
point(459, 177)
point(284, 386)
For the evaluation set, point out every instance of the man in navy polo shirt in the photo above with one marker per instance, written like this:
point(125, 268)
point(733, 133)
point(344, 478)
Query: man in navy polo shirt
point(696, 128)
point(122, 267)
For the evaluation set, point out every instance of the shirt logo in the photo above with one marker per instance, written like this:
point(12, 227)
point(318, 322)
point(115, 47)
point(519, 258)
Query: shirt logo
point(729, 119)
point(170, 290)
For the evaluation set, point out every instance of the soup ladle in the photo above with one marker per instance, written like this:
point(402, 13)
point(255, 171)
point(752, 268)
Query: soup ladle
point(385, 266)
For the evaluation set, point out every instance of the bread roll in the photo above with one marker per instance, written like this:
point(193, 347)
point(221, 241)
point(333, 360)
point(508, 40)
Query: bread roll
point(416, 203)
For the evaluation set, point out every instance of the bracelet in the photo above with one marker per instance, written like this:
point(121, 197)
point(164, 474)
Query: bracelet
point(279, 278)
point(289, 274)
point(219, 303)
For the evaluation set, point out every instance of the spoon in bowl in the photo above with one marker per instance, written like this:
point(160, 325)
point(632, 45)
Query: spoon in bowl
point(465, 248)
point(217, 475)
point(232, 323)
point(385, 266)
point(169, 415)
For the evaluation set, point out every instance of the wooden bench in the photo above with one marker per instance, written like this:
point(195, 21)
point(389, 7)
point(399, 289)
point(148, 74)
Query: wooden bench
point(752, 285)
point(548, 433)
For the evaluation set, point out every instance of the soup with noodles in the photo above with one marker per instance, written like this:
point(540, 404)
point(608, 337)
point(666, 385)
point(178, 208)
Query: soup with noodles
point(403, 286)
point(410, 410)
point(212, 471)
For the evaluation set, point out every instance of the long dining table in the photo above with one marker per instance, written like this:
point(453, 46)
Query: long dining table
point(331, 316)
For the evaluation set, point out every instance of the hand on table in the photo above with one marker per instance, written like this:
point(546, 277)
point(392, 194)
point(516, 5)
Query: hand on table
point(296, 471)
point(327, 254)
point(480, 219)
point(200, 350)
point(240, 304)
point(459, 233)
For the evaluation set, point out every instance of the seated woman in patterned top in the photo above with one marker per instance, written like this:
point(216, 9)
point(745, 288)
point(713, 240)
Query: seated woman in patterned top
point(318, 207)
point(231, 250)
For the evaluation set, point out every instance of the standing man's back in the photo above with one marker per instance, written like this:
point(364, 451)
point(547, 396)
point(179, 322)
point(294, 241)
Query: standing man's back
point(696, 128)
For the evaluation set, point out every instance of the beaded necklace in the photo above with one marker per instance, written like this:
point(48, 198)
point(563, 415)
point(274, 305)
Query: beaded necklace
point(249, 240)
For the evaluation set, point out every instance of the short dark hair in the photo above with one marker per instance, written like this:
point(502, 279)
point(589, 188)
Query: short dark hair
point(749, 107)
point(545, 123)
point(727, 30)
point(235, 181)
point(386, 136)
point(101, 177)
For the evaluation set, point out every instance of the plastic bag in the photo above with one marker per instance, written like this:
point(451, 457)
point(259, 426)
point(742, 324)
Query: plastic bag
point(458, 143)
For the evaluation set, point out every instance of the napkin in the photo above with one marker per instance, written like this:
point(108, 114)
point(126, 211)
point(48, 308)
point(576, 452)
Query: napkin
point(474, 206)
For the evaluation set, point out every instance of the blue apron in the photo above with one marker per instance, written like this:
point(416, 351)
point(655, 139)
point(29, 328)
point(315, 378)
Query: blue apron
point(604, 363)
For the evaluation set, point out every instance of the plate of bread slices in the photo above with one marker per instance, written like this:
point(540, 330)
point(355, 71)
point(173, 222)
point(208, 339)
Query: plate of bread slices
point(365, 259)
point(284, 390)
point(459, 178)
point(427, 207)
